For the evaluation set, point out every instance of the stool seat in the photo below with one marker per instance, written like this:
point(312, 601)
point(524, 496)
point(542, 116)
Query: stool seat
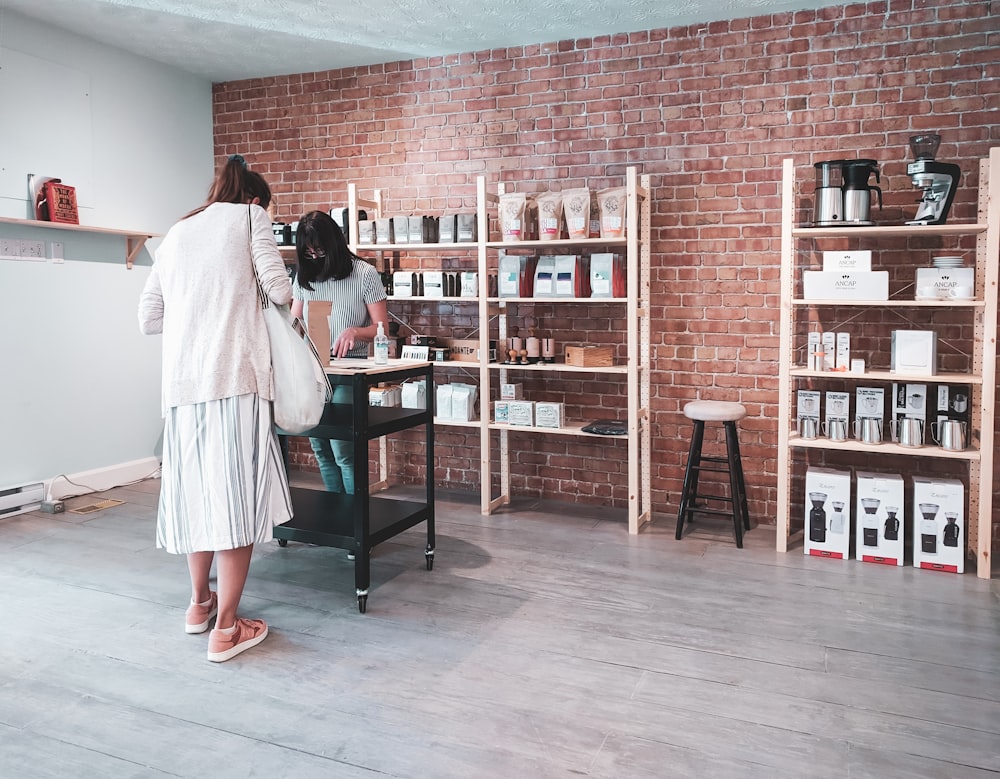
point(714, 411)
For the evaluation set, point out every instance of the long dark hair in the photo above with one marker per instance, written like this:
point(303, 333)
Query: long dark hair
point(318, 231)
point(236, 183)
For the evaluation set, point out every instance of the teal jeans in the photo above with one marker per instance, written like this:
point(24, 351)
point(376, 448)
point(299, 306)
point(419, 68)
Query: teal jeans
point(336, 458)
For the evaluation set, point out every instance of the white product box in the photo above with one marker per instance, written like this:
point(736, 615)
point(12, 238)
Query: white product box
point(501, 409)
point(414, 394)
point(827, 530)
point(549, 414)
point(843, 361)
point(807, 404)
point(814, 343)
point(470, 284)
point(880, 519)
point(938, 524)
point(829, 342)
point(838, 405)
point(521, 413)
point(860, 260)
point(946, 283)
point(857, 285)
point(511, 391)
point(386, 396)
point(914, 352)
point(434, 284)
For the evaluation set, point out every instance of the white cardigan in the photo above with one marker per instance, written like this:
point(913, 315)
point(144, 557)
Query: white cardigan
point(202, 296)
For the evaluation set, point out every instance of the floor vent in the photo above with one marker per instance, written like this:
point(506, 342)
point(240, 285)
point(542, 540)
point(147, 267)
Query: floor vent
point(90, 508)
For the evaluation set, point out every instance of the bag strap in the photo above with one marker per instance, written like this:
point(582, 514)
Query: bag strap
point(265, 301)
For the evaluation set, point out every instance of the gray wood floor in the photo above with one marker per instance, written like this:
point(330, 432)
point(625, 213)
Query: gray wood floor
point(545, 643)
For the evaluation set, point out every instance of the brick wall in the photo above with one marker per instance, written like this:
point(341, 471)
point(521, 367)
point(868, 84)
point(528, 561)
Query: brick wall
point(709, 111)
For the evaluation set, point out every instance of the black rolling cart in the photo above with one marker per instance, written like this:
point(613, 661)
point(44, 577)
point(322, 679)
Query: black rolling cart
point(361, 521)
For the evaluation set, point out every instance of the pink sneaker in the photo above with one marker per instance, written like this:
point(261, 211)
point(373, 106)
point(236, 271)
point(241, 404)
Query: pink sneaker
point(198, 616)
point(248, 633)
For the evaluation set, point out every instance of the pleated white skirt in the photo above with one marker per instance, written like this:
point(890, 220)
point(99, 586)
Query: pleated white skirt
point(224, 484)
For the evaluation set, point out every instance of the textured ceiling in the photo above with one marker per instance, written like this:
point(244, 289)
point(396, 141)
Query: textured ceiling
point(227, 40)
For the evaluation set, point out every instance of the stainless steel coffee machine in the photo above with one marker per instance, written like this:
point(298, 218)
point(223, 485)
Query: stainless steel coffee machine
point(939, 180)
point(843, 195)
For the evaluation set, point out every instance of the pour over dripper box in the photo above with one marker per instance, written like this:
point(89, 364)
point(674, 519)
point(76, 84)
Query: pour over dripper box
point(827, 531)
point(880, 518)
point(938, 524)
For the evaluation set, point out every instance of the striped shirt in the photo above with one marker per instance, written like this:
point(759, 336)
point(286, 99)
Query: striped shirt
point(350, 297)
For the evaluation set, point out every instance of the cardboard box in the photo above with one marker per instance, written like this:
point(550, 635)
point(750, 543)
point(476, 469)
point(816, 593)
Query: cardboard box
point(945, 283)
point(466, 349)
point(939, 524)
point(501, 412)
point(317, 313)
point(552, 415)
point(857, 285)
point(843, 357)
point(511, 391)
point(837, 261)
point(521, 413)
point(590, 356)
point(827, 529)
point(914, 352)
point(829, 342)
point(881, 518)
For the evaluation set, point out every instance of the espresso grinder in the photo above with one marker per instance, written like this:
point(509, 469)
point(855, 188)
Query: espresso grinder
point(939, 180)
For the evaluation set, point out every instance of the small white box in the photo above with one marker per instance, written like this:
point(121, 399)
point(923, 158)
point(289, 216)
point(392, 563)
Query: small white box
point(843, 361)
point(838, 406)
point(807, 404)
point(881, 519)
point(860, 260)
point(938, 524)
point(869, 403)
point(549, 414)
point(389, 396)
point(501, 412)
point(521, 413)
point(945, 283)
point(914, 352)
point(857, 285)
point(511, 391)
point(827, 530)
point(829, 351)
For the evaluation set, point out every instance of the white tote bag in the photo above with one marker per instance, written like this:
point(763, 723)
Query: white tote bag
point(301, 386)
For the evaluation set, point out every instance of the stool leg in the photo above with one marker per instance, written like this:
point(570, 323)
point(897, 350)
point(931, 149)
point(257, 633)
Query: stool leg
point(690, 476)
point(732, 454)
point(743, 485)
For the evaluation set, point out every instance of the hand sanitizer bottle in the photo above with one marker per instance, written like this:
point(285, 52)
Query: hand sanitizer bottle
point(381, 346)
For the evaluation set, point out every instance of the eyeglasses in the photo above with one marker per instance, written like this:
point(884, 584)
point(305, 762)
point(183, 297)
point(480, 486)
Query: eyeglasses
point(315, 254)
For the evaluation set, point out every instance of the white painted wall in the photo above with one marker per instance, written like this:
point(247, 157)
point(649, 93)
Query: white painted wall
point(79, 386)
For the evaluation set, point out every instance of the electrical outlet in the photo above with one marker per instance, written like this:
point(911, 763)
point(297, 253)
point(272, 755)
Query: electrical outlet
point(10, 249)
point(32, 250)
point(57, 251)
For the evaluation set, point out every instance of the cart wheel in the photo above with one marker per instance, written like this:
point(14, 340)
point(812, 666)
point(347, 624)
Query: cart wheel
point(429, 558)
point(282, 542)
point(362, 603)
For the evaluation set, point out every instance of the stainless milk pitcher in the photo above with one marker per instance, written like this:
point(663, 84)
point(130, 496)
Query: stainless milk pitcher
point(868, 430)
point(950, 434)
point(836, 429)
point(907, 432)
point(808, 427)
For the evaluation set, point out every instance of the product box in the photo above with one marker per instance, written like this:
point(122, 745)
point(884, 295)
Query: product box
point(843, 357)
point(317, 314)
point(880, 518)
point(549, 414)
point(938, 524)
point(807, 404)
point(947, 283)
point(590, 356)
point(814, 346)
point(827, 530)
point(521, 413)
point(466, 349)
point(950, 401)
point(385, 395)
point(829, 342)
point(860, 260)
point(501, 412)
point(857, 285)
point(914, 351)
point(511, 391)
point(910, 401)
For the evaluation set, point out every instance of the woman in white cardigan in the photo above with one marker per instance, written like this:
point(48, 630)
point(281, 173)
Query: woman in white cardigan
point(224, 485)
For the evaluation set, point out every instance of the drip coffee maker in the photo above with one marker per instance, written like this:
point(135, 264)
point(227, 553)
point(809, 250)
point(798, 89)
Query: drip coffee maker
point(951, 530)
point(939, 180)
point(869, 526)
point(817, 517)
point(928, 527)
point(858, 192)
point(837, 518)
point(891, 524)
point(843, 194)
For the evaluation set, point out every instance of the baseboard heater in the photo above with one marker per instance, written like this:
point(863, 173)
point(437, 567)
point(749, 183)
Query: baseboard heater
point(15, 500)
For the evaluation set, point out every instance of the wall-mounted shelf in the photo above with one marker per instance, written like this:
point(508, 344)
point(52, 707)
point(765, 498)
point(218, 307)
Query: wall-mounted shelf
point(134, 241)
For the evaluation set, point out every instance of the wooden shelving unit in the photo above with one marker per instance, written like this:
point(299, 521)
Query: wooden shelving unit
point(134, 240)
point(982, 377)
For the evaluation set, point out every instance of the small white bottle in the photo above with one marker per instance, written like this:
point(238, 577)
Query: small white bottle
point(381, 346)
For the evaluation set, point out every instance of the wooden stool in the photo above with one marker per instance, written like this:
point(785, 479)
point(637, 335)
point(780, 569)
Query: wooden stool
point(702, 411)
